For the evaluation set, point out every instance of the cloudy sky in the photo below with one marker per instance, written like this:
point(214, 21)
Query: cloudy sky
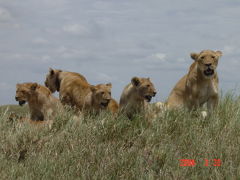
point(114, 40)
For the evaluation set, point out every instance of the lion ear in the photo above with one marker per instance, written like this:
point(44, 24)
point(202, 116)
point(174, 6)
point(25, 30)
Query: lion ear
point(51, 71)
point(109, 85)
point(194, 56)
point(34, 86)
point(219, 53)
point(135, 81)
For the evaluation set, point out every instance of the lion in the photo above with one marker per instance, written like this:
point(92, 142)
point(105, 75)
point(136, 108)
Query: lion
point(98, 98)
point(101, 98)
point(42, 104)
point(65, 83)
point(74, 90)
point(136, 96)
point(200, 85)
point(72, 87)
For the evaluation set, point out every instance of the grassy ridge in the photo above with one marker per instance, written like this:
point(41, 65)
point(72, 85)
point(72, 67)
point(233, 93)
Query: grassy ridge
point(21, 110)
point(104, 147)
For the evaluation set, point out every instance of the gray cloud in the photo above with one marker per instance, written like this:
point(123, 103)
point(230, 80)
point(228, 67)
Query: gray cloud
point(108, 40)
point(5, 15)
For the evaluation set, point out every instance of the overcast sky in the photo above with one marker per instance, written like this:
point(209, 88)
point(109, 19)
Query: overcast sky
point(114, 40)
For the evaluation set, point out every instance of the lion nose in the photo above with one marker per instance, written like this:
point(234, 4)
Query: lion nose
point(209, 64)
point(16, 98)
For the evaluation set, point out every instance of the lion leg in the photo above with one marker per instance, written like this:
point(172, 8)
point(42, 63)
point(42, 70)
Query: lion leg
point(37, 116)
point(212, 103)
point(204, 114)
point(65, 99)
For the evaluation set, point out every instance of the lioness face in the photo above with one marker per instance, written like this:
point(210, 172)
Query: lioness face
point(102, 94)
point(24, 92)
point(51, 81)
point(145, 88)
point(207, 61)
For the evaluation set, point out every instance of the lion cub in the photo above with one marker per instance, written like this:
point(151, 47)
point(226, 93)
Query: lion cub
point(200, 85)
point(42, 104)
point(100, 99)
point(136, 96)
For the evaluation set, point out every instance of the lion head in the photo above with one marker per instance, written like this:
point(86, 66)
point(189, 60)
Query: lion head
point(145, 88)
point(207, 61)
point(101, 94)
point(52, 80)
point(24, 92)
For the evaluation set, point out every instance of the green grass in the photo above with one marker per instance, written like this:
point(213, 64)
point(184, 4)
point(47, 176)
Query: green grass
point(103, 147)
point(21, 110)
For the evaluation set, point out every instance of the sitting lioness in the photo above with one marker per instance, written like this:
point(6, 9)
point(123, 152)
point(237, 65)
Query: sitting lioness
point(200, 85)
point(72, 87)
point(42, 104)
point(136, 96)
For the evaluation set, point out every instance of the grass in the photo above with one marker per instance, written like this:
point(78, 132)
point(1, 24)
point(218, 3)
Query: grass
point(103, 147)
point(14, 108)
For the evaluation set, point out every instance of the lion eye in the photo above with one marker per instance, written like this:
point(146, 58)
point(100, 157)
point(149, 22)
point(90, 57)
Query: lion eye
point(213, 57)
point(202, 57)
point(102, 93)
point(148, 85)
point(110, 93)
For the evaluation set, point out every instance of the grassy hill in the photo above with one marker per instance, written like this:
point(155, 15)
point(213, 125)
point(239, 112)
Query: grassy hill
point(14, 108)
point(104, 147)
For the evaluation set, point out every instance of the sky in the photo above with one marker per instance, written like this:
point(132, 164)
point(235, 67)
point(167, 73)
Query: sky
point(115, 40)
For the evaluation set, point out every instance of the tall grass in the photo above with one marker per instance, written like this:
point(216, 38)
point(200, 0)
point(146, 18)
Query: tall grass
point(104, 147)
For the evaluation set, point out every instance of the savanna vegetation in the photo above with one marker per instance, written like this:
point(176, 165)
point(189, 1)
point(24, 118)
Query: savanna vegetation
point(104, 147)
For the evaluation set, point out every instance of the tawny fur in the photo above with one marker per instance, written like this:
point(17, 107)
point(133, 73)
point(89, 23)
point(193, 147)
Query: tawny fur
point(74, 90)
point(73, 87)
point(101, 98)
point(136, 96)
point(113, 106)
point(42, 104)
point(200, 85)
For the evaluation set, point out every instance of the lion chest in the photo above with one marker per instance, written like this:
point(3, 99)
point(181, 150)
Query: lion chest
point(135, 105)
point(206, 91)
